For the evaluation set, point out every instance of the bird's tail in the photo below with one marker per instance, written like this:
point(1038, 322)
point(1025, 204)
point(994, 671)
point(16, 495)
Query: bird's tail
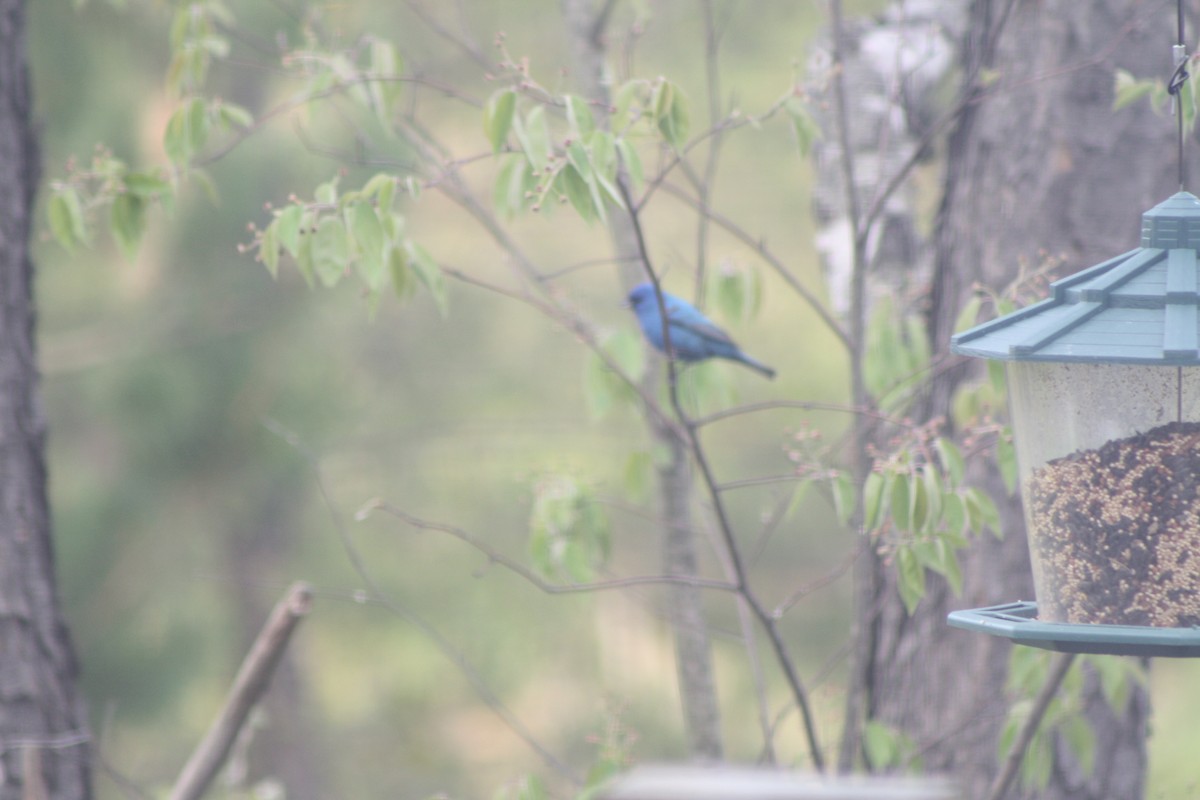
point(757, 366)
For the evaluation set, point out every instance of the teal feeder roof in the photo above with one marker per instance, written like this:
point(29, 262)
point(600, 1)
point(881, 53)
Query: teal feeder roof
point(1142, 307)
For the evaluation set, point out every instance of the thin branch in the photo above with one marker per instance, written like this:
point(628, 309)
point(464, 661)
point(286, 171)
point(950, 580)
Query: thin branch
point(1058, 671)
point(496, 557)
point(461, 41)
point(596, 34)
point(820, 583)
point(248, 688)
point(444, 646)
point(863, 633)
point(803, 405)
point(576, 325)
point(762, 480)
point(759, 246)
point(971, 94)
point(725, 528)
point(712, 83)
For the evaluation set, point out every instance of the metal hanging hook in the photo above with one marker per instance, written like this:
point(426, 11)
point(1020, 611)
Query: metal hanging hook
point(1175, 87)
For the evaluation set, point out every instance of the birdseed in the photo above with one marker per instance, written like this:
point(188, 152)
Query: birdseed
point(1117, 531)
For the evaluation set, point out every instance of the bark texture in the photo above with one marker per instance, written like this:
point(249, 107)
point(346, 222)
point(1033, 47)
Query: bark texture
point(43, 739)
point(586, 25)
point(1038, 169)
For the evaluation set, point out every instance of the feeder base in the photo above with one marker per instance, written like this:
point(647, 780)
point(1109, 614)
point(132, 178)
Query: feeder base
point(1018, 622)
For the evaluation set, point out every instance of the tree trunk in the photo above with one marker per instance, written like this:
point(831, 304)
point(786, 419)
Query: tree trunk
point(1038, 167)
point(693, 644)
point(44, 745)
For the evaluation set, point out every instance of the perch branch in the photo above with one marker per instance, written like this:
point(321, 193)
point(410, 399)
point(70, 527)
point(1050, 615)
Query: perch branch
point(1058, 671)
point(248, 688)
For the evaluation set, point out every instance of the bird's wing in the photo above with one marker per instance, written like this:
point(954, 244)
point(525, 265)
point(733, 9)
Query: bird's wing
point(697, 323)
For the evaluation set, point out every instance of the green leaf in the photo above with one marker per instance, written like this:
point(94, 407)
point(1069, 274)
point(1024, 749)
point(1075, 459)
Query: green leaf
point(387, 66)
point(268, 248)
point(579, 116)
point(1081, 741)
point(234, 116)
point(799, 494)
point(900, 502)
point(638, 476)
point(970, 312)
point(176, 141)
point(1035, 767)
point(147, 185)
point(843, 497)
point(429, 273)
point(604, 388)
point(1117, 676)
point(128, 221)
point(632, 163)
point(804, 125)
point(287, 223)
point(304, 253)
point(982, 512)
point(948, 565)
point(371, 243)
point(498, 117)
point(186, 131)
point(603, 154)
point(534, 136)
point(1127, 89)
point(67, 223)
point(382, 187)
point(514, 185)
point(954, 514)
point(1008, 736)
point(401, 275)
point(911, 578)
point(198, 124)
point(951, 458)
point(873, 500)
point(330, 250)
point(931, 491)
point(736, 291)
point(623, 102)
point(569, 532)
point(997, 377)
point(671, 113)
point(580, 159)
point(575, 187)
point(327, 193)
point(881, 745)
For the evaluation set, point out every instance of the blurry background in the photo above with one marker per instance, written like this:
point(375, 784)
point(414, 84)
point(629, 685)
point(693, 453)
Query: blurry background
point(182, 513)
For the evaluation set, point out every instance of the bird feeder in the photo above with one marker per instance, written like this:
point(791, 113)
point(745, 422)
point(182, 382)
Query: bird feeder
point(1104, 393)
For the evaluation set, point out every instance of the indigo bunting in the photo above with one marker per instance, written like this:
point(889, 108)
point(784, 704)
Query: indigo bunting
point(693, 336)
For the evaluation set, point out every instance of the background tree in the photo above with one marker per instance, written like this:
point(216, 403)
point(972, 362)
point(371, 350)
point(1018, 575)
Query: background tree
point(44, 741)
point(1033, 182)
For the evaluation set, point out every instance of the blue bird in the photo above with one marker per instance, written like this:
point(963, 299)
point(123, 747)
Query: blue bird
point(693, 336)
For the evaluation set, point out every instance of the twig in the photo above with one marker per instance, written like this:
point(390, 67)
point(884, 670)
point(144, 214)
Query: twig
point(803, 405)
point(248, 688)
point(866, 577)
point(820, 583)
point(704, 188)
point(732, 552)
point(496, 557)
point(1058, 671)
point(760, 247)
point(375, 595)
